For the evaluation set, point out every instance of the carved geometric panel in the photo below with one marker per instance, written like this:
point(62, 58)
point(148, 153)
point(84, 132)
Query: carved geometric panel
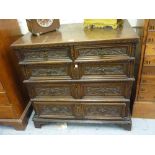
point(103, 110)
point(48, 71)
point(52, 91)
point(104, 69)
point(56, 109)
point(103, 51)
point(103, 90)
point(45, 54)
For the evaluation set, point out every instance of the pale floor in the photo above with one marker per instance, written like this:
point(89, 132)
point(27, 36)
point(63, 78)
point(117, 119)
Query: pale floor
point(139, 126)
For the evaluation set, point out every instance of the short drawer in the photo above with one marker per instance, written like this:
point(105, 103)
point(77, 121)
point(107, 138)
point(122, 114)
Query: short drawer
point(43, 54)
point(83, 110)
point(100, 51)
point(3, 99)
point(146, 92)
point(80, 90)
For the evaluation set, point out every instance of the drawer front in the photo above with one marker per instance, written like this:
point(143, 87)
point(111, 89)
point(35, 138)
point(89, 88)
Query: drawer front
point(78, 70)
point(80, 111)
point(148, 70)
point(50, 71)
point(50, 90)
point(43, 54)
point(101, 69)
point(100, 51)
point(3, 99)
point(108, 89)
point(1, 87)
point(146, 92)
point(80, 90)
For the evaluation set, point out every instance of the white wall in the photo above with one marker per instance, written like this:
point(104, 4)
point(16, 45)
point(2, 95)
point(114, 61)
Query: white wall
point(24, 29)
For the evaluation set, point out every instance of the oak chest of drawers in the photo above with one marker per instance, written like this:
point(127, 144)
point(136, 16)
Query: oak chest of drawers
point(79, 75)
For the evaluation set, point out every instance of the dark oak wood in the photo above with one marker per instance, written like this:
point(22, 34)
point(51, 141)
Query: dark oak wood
point(79, 75)
point(13, 95)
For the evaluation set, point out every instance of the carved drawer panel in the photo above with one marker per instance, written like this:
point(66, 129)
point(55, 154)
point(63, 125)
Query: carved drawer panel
point(79, 90)
point(101, 69)
point(46, 71)
point(80, 110)
point(147, 92)
point(99, 111)
point(49, 90)
point(43, 54)
point(100, 51)
point(108, 89)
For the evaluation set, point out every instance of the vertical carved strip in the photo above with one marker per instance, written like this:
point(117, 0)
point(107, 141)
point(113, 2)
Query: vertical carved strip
point(79, 111)
point(77, 91)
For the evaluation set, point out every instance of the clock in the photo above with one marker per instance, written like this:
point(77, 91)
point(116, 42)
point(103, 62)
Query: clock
point(40, 26)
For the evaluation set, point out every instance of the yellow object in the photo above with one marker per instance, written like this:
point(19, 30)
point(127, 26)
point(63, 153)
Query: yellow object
point(100, 23)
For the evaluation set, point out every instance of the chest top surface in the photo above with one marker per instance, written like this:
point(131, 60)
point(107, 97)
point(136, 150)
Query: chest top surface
point(76, 33)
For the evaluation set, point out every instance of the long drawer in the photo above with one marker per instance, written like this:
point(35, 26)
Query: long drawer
point(78, 70)
point(82, 110)
point(80, 89)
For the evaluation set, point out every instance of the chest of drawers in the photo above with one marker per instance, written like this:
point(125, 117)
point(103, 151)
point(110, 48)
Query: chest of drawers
point(79, 75)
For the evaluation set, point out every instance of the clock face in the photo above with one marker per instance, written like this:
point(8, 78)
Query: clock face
point(45, 22)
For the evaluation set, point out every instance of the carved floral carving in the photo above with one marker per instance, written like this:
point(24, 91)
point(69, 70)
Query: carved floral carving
point(51, 71)
point(46, 54)
point(104, 69)
point(101, 91)
point(101, 110)
point(53, 91)
point(56, 110)
point(102, 51)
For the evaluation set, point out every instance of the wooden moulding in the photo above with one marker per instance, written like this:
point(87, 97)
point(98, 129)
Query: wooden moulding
point(126, 124)
point(21, 123)
point(144, 109)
